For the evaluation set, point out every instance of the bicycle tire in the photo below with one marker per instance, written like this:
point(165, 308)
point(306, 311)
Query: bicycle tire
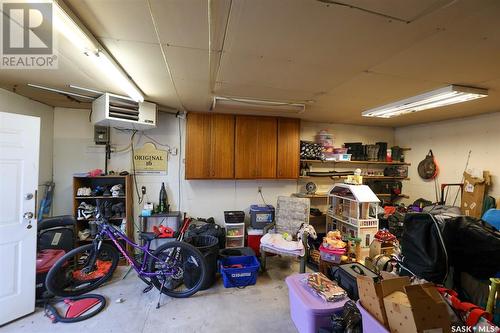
point(58, 270)
point(191, 251)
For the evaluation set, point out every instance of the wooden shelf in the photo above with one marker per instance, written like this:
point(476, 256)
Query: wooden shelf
point(100, 197)
point(127, 200)
point(390, 195)
point(305, 195)
point(356, 162)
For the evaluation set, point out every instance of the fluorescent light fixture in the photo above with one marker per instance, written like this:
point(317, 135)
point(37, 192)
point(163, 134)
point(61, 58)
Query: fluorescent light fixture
point(65, 24)
point(448, 95)
point(249, 103)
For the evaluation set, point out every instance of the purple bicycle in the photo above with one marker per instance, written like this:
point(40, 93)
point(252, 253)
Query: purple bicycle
point(176, 268)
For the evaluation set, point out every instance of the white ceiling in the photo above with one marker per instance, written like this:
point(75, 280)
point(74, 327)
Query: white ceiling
point(340, 59)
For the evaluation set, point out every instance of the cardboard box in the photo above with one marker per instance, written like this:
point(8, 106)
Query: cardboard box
point(371, 293)
point(473, 194)
point(419, 309)
point(377, 247)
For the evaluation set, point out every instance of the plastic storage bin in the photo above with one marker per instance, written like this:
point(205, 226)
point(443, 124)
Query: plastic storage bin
point(235, 234)
point(232, 242)
point(239, 277)
point(261, 215)
point(234, 216)
point(308, 311)
point(330, 255)
point(370, 324)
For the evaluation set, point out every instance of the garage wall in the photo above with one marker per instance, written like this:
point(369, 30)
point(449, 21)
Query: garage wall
point(74, 151)
point(13, 103)
point(450, 142)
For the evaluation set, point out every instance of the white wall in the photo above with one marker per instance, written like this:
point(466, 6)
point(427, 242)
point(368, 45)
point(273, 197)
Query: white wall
point(74, 151)
point(450, 142)
point(13, 103)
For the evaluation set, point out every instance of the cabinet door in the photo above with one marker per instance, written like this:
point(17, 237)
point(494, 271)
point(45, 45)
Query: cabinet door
point(288, 148)
point(198, 142)
point(245, 162)
point(222, 143)
point(266, 147)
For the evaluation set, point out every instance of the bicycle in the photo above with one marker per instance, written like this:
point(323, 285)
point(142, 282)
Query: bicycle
point(176, 268)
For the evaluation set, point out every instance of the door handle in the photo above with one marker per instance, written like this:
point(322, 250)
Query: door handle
point(28, 216)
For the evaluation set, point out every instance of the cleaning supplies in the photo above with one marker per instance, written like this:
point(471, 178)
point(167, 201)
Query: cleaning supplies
point(163, 206)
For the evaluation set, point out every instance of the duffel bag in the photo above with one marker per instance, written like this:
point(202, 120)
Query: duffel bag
point(346, 275)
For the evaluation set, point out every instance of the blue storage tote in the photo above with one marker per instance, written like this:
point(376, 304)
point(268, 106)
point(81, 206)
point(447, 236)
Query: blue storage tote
point(239, 277)
point(261, 215)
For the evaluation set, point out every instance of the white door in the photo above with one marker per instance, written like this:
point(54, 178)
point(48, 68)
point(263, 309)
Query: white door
point(19, 149)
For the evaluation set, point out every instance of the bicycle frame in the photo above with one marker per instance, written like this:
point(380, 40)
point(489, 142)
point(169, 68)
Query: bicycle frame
point(106, 230)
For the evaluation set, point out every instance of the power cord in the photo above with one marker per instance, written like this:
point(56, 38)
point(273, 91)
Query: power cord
point(139, 197)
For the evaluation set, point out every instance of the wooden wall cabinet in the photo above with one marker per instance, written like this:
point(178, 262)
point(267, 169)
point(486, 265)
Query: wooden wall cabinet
point(255, 147)
point(288, 153)
point(209, 146)
point(222, 146)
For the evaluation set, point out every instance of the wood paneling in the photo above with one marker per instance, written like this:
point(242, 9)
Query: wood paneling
point(222, 146)
point(198, 142)
point(288, 158)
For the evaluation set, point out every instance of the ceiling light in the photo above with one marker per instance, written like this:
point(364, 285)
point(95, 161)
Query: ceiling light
point(65, 24)
point(448, 95)
point(236, 102)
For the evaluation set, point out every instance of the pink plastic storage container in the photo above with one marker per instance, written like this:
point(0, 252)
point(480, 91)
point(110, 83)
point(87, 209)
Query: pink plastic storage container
point(370, 324)
point(330, 255)
point(308, 311)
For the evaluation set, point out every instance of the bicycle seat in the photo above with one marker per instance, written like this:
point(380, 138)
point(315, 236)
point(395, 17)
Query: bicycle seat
point(147, 236)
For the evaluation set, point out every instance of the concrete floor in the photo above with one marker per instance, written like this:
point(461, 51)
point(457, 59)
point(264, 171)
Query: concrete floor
point(260, 308)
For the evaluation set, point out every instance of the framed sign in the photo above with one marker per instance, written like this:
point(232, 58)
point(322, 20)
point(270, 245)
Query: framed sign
point(149, 160)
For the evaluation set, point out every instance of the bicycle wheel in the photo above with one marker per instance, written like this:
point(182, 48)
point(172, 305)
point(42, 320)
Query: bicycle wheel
point(180, 268)
point(82, 270)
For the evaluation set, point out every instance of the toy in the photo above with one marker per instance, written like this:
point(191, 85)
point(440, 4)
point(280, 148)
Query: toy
point(163, 231)
point(333, 240)
point(287, 236)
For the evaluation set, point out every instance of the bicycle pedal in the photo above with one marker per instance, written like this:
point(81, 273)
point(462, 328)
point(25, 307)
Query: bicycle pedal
point(147, 289)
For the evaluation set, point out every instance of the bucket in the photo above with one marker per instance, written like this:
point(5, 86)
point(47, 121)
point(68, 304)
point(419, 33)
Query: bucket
point(209, 247)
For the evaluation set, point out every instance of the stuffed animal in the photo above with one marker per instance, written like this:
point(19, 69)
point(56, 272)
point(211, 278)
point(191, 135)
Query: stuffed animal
point(306, 228)
point(333, 240)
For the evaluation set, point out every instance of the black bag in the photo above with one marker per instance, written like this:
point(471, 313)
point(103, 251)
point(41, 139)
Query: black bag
point(423, 248)
point(346, 274)
point(473, 246)
point(396, 171)
point(385, 186)
point(210, 228)
point(357, 151)
point(396, 224)
point(382, 151)
point(56, 233)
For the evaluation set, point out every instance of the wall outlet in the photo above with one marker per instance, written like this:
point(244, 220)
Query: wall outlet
point(259, 189)
point(173, 151)
point(143, 190)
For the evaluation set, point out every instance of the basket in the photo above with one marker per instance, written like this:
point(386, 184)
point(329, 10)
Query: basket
point(239, 277)
point(234, 216)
